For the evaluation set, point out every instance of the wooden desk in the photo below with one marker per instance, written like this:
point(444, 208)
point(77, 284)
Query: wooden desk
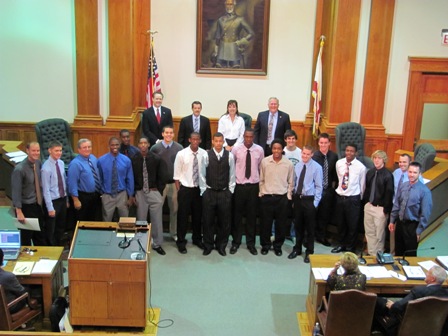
point(50, 282)
point(382, 286)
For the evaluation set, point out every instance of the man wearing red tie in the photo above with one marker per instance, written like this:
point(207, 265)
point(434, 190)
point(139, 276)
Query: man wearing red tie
point(352, 176)
point(155, 118)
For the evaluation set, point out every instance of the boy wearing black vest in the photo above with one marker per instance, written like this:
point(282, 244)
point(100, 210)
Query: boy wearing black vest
point(217, 183)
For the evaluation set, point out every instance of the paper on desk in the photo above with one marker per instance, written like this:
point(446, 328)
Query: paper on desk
point(15, 154)
point(427, 264)
point(128, 234)
point(23, 267)
point(18, 159)
point(397, 275)
point(30, 224)
point(44, 266)
point(375, 272)
point(322, 273)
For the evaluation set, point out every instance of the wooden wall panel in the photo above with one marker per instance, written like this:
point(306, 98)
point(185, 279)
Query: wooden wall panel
point(377, 62)
point(86, 22)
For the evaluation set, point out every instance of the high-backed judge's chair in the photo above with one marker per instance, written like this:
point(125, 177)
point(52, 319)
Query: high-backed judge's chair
point(55, 129)
point(425, 154)
point(347, 312)
point(351, 132)
point(247, 119)
point(10, 321)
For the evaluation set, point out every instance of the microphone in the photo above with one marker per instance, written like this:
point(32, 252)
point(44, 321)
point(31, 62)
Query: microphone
point(361, 260)
point(124, 243)
point(141, 246)
point(404, 262)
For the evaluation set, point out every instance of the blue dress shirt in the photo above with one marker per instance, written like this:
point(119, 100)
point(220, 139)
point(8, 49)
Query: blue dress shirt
point(50, 187)
point(418, 207)
point(79, 176)
point(124, 169)
point(312, 183)
point(397, 177)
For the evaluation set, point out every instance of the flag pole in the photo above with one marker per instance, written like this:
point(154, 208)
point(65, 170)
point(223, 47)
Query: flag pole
point(317, 88)
point(151, 77)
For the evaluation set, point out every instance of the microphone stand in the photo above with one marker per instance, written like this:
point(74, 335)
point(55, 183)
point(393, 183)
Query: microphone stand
point(404, 262)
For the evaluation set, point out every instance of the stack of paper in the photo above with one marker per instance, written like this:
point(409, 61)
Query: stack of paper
point(23, 267)
point(44, 266)
point(414, 272)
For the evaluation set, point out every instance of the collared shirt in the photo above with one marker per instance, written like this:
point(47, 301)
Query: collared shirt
point(155, 110)
point(50, 186)
point(312, 183)
point(274, 126)
point(256, 155)
point(79, 175)
point(22, 183)
point(397, 178)
point(276, 178)
point(231, 129)
point(183, 165)
point(332, 158)
point(193, 117)
point(356, 177)
point(124, 170)
point(129, 150)
point(294, 156)
point(202, 171)
point(418, 206)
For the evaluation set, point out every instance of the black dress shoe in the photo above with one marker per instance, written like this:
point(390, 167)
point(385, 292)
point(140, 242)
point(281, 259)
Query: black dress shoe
point(206, 251)
point(159, 250)
point(199, 244)
point(264, 250)
point(294, 254)
point(252, 250)
point(306, 260)
point(324, 242)
point(278, 252)
point(233, 249)
point(182, 250)
point(338, 249)
point(222, 252)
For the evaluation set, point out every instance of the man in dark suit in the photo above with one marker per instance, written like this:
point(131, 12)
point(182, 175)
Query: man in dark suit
point(155, 118)
point(195, 123)
point(270, 125)
point(390, 313)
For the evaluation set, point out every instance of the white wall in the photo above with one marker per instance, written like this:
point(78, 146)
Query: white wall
point(37, 60)
point(416, 32)
point(290, 62)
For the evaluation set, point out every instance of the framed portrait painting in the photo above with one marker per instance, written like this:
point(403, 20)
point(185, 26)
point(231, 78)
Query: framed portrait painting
point(232, 37)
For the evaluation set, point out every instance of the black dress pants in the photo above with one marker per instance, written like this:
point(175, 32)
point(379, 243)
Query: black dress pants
point(348, 209)
point(189, 203)
point(30, 237)
point(305, 222)
point(216, 204)
point(273, 207)
point(246, 202)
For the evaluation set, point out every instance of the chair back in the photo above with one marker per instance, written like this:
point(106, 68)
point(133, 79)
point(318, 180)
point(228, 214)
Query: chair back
point(247, 119)
point(5, 316)
point(425, 154)
point(352, 133)
point(55, 129)
point(350, 312)
point(424, 316)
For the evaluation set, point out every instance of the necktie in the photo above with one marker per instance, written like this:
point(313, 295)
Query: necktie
point(372, 190)
point(158, 114)
point(37, 186)
point(145, 177)
point(270, 127)
point(301, 179)
point(196, 124)
point(325, 172)
point(95, 177)
point(346, 176)
point(195, 170)
point(248, 164)
point(404, 202)
point(60, 181)
point(114, 187)
point(401, 179)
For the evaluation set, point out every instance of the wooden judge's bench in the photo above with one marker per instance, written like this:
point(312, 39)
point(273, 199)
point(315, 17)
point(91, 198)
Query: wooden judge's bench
point(108, 283)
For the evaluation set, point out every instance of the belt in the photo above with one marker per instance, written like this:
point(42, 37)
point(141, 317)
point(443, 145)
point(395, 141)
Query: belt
point(304, 197)
point(88, 193)
point(274, 195)
point(246, 184)
point(214, 189)
point(348, 197)
point(182, 186)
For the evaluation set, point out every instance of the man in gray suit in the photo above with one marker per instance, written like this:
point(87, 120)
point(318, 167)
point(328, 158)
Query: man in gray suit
point(271, 124)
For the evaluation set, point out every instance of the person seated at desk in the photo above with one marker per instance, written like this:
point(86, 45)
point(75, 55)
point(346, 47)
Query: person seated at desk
point(352, 277)
point(13, 288)
point(389, 313)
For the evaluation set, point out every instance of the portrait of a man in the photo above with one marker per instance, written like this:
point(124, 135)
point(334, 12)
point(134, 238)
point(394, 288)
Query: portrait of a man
point(232, 36)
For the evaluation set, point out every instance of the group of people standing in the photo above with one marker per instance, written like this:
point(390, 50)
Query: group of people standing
point(238, 172)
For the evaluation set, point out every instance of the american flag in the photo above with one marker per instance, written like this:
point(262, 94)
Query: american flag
point(153, 84)
point(317, 90)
